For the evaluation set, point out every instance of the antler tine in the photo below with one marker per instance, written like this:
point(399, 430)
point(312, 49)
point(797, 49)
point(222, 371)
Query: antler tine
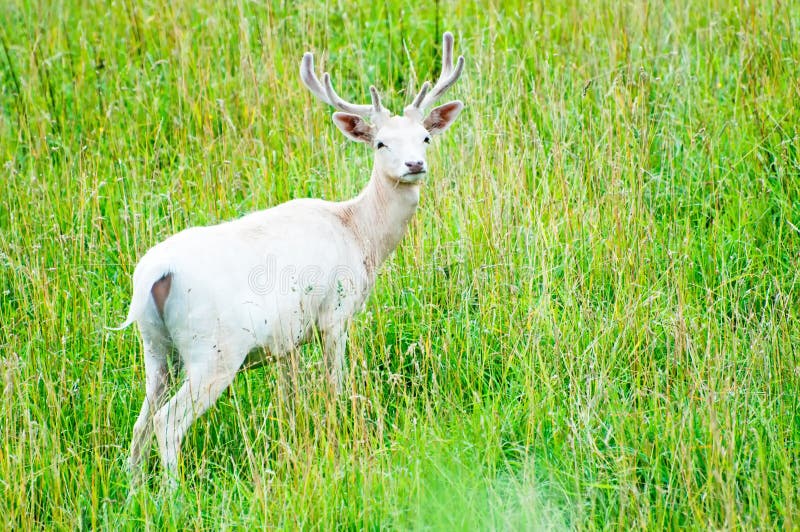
point(324, 91)
point(448, 76)
point(447, 53)
point(337, 102)
point(377, 108)
point(310, 79)
point(421, 96)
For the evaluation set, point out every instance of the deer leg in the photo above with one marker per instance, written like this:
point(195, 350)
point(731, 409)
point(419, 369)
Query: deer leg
point(205, 381)
point(287, 386)
point(334, 342)
point(156, 352)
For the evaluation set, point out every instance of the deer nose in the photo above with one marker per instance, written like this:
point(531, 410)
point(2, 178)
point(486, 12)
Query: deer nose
point(415, 167)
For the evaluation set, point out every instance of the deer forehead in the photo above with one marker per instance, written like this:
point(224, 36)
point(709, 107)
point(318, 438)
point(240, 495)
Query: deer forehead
point(401, 128)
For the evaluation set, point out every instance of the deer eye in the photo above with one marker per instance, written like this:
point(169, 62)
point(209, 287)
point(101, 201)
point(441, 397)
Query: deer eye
point(380, 145)
point(427, 140)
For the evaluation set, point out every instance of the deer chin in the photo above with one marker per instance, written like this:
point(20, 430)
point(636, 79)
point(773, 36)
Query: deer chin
point(412, 177)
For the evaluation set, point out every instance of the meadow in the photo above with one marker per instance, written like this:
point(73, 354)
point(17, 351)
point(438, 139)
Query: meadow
point(592, 323)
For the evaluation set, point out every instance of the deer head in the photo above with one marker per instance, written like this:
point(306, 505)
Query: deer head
point(400, 142)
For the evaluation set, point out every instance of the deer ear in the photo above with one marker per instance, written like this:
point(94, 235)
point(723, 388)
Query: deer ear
point(354, 127)
point(442, 117)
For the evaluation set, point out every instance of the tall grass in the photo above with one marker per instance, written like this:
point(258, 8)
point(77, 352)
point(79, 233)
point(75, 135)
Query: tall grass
point(592, 323)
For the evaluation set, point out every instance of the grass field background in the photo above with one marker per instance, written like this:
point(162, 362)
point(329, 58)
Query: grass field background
point(593, 321)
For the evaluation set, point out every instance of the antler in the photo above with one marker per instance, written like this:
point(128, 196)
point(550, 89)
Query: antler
point(449, 75)
point(324, 91)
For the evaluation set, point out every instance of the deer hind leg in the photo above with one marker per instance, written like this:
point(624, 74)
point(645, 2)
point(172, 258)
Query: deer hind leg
point(209, 371)
point(157, 350)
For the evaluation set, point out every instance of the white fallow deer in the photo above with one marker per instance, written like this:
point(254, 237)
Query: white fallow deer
point(216, 299)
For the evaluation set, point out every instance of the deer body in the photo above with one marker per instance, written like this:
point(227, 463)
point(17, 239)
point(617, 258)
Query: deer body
point(261, 280)
point(218, 298)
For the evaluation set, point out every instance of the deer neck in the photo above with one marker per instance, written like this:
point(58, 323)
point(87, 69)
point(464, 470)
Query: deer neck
point(379, 216)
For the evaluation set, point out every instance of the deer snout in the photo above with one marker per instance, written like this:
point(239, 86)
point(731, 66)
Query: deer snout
point(415, 167)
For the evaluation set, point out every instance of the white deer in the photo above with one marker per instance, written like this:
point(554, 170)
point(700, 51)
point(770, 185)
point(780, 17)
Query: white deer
point(216, 299)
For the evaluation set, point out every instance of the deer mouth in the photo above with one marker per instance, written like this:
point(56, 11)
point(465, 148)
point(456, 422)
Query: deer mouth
point(412, 178)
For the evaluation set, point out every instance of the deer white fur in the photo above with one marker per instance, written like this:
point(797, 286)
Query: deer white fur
point(216, 299)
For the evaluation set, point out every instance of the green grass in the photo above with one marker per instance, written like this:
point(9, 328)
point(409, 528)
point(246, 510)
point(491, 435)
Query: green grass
point(593, 322)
